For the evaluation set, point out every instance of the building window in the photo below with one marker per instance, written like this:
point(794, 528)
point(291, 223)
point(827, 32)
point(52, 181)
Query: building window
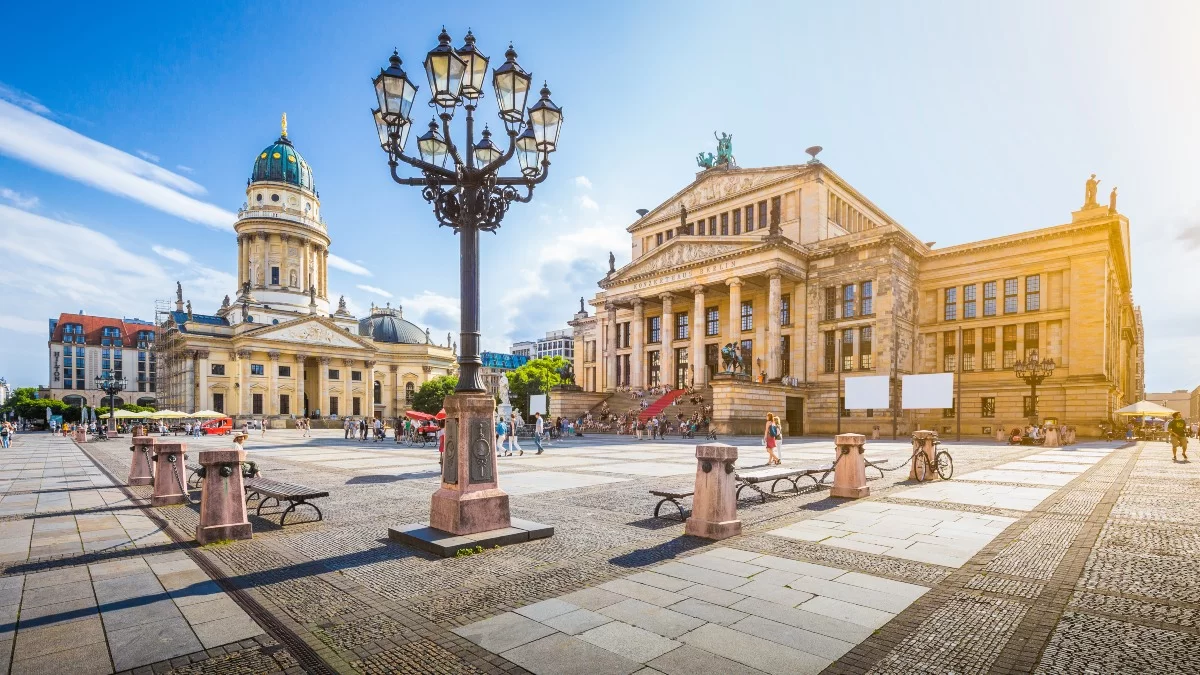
point(712, 226)
point(285, 404)
point(218, 369)
point(950, 312)
point(830, 354)
point(256, 404)
point(989, 299)
point(968, 339)
point(410, 390)
point(654, 329)
point(356, 376)
point(830, 303)
point(335, 374)
point(658, 239)
point(218, 402)
point(1010, 296)
point(275, 276)
point(652, 371)
point(866, 348)
point(356, 406)
point(989, 348)
point(949, 352)
point(867, 298)
point(969, 302)
point(1033, 293)
point(1010, 346)
point(785, 354)
point(670, 234)
point(987, 405)
point(747, 315)
point(725, 223)
point(1031, 337)
point(848, 292)
point(333, 405)
point(712, 321)
point(785, 310)
point(762, 214)
point(750, 218)
point(950, 412)
point(748, 354)
point(681, 326)
point(848, 349)
point(285, 371)
point(256, 369)
point(623, 335)
point(737, 221)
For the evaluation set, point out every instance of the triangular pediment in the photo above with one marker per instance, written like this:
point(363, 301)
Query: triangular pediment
point(680, 252)
point(311, 330)
point(715, 185)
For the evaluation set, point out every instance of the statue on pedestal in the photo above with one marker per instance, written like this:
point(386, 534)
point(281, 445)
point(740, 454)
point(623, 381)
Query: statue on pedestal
point(581, 310)
point(1089, 192)
point(1112, 201)
point(178, 292)
point(312, 294)
point(612, 262)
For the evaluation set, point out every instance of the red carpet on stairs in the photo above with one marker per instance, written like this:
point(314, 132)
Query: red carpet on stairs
point(658, 406)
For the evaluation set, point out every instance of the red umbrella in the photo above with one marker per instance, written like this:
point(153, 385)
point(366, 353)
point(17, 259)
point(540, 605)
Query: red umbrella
point(417, 415)
point(441, 415)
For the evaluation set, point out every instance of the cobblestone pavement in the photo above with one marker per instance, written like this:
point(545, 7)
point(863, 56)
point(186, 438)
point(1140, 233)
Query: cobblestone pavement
point(341, 597)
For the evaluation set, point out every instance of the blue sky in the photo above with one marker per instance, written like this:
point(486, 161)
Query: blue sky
point(127, 134)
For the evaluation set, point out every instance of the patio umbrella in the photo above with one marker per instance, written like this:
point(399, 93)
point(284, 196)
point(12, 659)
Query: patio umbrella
point(1145, 409)
point(441, 415)
point(208, 414)
point(417, 415)
point(166, 415)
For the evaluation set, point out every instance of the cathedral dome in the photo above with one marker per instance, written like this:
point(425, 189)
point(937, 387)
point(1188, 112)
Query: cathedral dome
point(279, 162)
point(389, 325)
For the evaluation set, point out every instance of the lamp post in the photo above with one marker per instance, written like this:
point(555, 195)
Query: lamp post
point(111, 386)
point(468, 195)
point(1033, 372)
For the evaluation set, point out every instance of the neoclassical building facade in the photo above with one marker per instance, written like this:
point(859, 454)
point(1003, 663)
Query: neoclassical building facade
point(280, 349)
point(813, 283)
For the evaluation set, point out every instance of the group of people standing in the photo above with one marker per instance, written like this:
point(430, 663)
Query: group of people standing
point(358, 429)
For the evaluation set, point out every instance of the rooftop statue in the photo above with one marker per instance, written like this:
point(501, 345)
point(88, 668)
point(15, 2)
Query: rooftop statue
point(705, 160)
point(1089, 192)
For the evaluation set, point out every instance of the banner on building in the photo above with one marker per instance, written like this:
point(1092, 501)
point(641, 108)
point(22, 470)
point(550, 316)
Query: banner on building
point(865, 393)
point(927, 391)
point(537, 404)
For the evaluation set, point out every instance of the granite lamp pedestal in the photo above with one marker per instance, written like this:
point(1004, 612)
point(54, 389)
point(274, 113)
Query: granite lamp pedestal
point(714, 504)
point(469, 509)
point(222, 499)
point(170, 477)
point(141, 468)
point(850, 467)
point(924, 441)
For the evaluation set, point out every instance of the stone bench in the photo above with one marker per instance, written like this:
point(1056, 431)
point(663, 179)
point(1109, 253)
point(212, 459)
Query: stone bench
point(673, 498)
point(296, 495)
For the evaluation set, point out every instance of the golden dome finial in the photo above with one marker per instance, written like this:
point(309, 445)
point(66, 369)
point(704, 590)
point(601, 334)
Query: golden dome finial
point(283, 124)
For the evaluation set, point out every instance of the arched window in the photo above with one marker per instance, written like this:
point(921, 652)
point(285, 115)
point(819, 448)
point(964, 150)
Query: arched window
point(409, 390)
point(378, 393)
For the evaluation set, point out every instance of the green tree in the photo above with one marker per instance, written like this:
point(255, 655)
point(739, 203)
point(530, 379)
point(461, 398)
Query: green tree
point(24, 403)
point(429, 398)
point(535, 377)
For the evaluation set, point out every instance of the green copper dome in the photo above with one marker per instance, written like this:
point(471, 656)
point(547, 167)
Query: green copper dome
point(281, 163)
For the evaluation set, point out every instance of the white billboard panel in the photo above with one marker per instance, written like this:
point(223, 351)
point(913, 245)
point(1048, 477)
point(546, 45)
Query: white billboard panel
point(928, 391)
point(537, 404)
point(864, 393)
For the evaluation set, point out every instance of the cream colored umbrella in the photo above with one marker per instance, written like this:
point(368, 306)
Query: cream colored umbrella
point(1145, 409)
point(208, 414)
point(123, 415)
point(165, 415)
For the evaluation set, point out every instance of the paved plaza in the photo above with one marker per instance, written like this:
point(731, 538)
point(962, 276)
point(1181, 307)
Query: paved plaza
point(1030, 560)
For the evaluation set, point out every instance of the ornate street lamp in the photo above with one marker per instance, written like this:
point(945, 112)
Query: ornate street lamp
point(461, 181)
point(111, 385)
point(1033, 372)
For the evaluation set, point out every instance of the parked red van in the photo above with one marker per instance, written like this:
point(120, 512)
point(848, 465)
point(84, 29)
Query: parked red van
point(217, 427)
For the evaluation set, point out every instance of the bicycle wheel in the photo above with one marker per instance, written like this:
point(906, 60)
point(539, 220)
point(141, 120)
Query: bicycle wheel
point(945, 465)
point(920, 466)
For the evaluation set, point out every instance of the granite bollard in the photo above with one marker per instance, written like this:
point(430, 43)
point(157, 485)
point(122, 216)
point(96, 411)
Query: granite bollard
point(170, 479)
point(1052, 440)
point(924, 440)
point(714, 504)
point(222, 498)
point(141, 467)
point(850, 467)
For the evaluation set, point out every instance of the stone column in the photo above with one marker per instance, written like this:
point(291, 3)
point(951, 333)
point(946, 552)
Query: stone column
point(241, 262)
point(370, 375)
point(304, 280)
point(348, 402)
point(666, 358)
point(323, 385)
point(324, 288)
point(849, 467)
point(244, 379)
point(395, 411)
point(266, 258)
point(637, 360)
point(202, 368)
point(470, 499)
point(189, 383)
point(735, 312)
point(696, 357)
point(774, 334)
point(610, 359)
point(298, 404)
point(714, 505)
point(272, 403)
point(222, 500)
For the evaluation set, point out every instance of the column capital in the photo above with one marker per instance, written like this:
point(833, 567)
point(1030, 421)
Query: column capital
point(394, 368)
point(665, 297)
point(427, 369)
point(734, 281)
point(775, 276)
point(273, 355)
point(611, 308)
point(637, 303)
point(202, 353)
point(348, 362)
point(243, 353)
point(698, 289)
point(370, 364)
point(301, 357)
point(324, 360)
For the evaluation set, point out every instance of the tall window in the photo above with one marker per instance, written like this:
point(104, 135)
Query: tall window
point(989, 299)
point(968, 339)
point(218, 401)
point(256, 403)
point(866, 348)
point(681, 326)
point(1010, 346)
point(848, 349)
point(830, 351)
point(410, 390)
point(654, 328)
point(1033, 293)
point(748, 353)
point(1010, 296)
point(785, 354)
point(867, 298)
point(950, 312)
point(356, 406)
point(378, 393)
point(750, 218)
point(830, 303)
point(333, 405)
point(652, 371)
point(712, 225)
point(848, 294)
point(969, 302)
point(725, 223)
point(747, 315)
point(285, 404)
point(275, 275)
point(658, 239)
point(762, 215)
point(949, 351)
point(712, 321)
point(737, 221)
point(785, 310)
point(987, 405)
point(1031, 337)
point(989, 348)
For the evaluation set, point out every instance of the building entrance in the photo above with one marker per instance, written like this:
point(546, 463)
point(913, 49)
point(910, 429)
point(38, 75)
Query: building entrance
point(794, 415)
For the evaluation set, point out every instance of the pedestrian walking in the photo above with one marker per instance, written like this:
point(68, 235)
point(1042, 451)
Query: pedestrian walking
point(500, 437)
point(1177, 430)
point(538, 426)
point(346, 429)
point(769, 438)
point(513, 444)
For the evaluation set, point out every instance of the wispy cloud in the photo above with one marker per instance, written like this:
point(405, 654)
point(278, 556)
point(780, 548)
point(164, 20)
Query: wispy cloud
point(55, 148)
point(434, 310)
point(173, 254)
point(588, 203)
point(20, 98)
point(185, 169)
point(21, 200)
point(339, 263)
point(373, 289)
point(583, 182)
point(149, 156)
point(18, 324)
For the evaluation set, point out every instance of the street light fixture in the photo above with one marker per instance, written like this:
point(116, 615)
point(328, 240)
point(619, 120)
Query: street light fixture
point(1033, 372)
point(111, 385)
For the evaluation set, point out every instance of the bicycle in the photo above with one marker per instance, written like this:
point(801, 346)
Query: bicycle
point(942, 462)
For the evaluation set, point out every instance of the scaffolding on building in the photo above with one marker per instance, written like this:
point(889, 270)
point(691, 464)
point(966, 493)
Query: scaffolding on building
point(168, 352)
